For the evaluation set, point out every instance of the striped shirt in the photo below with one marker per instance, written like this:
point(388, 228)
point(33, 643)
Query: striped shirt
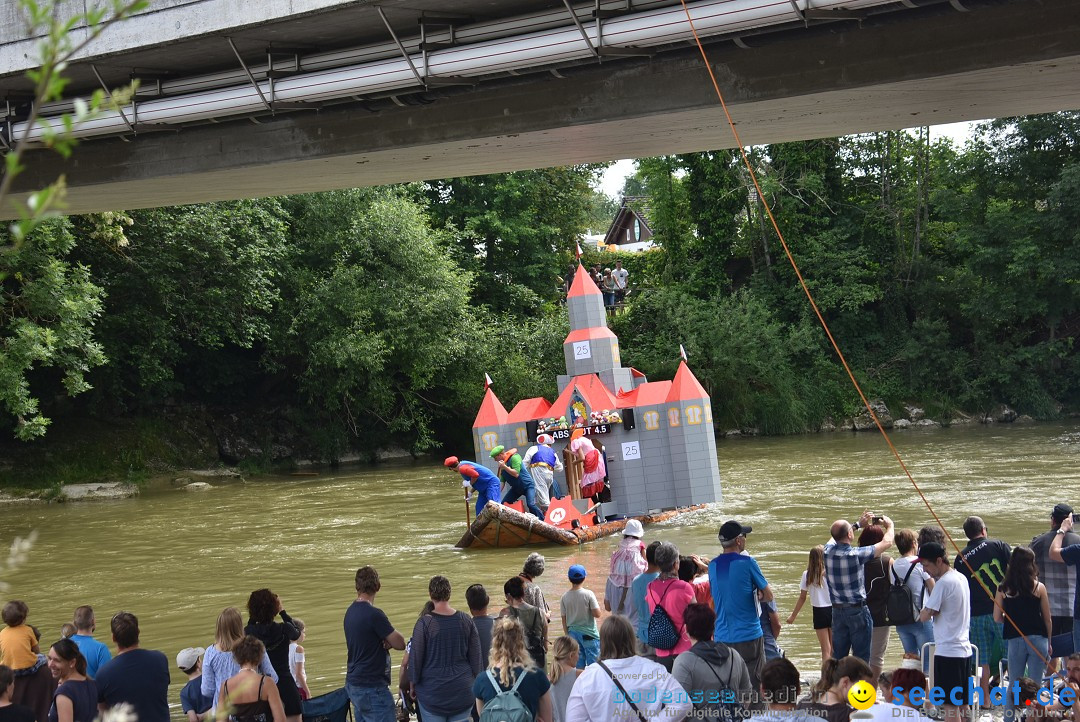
point(844, 571)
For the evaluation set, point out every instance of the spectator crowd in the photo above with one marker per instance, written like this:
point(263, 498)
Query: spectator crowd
point(683, 636)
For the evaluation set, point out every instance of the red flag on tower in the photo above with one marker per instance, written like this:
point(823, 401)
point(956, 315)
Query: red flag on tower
point(578, 252)
point(487, 382)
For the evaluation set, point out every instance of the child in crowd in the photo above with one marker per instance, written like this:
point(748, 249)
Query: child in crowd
point(10, 712)
point(580, 610)
point(563, 673)
point(192, 701)
point(296, 660)
point(477, 598)
point(815, 585)
point(67, 630)
point(19, 649)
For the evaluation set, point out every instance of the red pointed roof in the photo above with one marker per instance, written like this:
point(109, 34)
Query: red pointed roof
point(589, 334)
point(592, 389)
point(652, 393)
point(529, 409)
point(685, 386)
point(492, 412)
point(583, 284)
point(634, 373)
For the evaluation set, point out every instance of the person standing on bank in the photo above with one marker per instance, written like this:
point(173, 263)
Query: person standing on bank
point(1069, 555)
point(75, 699)
point(950, 609)
point(1023, 597)
point(852, 625)
point(1059, 578)
point(368, 636)
point(139, 677)
point(263, 606)
point(444, 658)
point(737, 585)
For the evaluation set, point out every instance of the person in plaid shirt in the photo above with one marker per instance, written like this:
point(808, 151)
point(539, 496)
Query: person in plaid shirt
point(852, 626)
point(1059, 578)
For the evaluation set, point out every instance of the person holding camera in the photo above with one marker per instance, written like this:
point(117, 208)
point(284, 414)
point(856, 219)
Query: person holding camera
point(1070, 555)
point(844, 563)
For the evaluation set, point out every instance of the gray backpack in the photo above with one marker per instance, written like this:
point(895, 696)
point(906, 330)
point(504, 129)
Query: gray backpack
point(507, 705)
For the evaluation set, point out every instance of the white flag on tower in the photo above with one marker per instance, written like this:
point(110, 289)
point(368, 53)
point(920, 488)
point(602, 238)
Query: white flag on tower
point(487, 381)
point(578, 252)
point(682, 352)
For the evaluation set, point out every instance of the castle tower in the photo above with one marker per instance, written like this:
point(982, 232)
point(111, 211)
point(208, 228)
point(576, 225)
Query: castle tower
point(691, 443)
point(591, 347)
point(491, 428)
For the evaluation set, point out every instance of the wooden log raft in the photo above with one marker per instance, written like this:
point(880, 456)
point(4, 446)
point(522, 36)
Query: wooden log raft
point(499, 526)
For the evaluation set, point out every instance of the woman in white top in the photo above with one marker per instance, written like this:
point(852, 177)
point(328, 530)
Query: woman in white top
point(218, 661)
point(623, 686)
point(815, 585)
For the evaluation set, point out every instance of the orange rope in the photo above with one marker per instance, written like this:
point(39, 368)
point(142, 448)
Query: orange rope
point(825, 326)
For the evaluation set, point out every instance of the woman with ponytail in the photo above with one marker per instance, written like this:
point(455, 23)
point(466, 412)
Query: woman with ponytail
point(76, 697)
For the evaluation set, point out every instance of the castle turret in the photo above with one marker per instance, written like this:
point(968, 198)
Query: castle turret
point(691, 442)
point(591, 347)
point(491, 428)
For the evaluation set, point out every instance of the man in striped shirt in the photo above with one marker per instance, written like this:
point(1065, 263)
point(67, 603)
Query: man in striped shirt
point(852, 626)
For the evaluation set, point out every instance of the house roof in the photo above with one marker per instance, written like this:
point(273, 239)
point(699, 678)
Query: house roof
point(685, 386)
point(492, 412)
point(583, 284)
point(529, 409)
point(625, 215)
point(652, 393)
point(591, 388)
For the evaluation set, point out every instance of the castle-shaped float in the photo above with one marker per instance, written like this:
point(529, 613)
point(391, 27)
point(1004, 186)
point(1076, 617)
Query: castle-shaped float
point(657, 435)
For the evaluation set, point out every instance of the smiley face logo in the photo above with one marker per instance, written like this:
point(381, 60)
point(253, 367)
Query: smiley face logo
point(862, 695)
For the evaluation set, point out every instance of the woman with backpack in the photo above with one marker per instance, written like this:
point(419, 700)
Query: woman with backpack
point(1024, 598)
point(907, 571)
point(512, 687)
point(444, 658)
point(712, 667)
point(623, 686)
point(668, 596)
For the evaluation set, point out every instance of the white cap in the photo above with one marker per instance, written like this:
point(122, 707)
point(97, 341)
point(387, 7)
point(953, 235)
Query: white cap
point(188, 658)
point(633, 528)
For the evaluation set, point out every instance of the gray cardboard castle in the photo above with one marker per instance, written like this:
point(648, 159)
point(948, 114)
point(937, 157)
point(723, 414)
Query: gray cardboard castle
point(658, 436)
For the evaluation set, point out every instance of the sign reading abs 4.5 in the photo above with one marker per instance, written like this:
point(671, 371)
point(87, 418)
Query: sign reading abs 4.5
point(563, 434)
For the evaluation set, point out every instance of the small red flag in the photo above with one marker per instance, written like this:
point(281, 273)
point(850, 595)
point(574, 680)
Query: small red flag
point(578, 254)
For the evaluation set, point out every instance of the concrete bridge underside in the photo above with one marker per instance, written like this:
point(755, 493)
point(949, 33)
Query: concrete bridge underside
point(918, 67)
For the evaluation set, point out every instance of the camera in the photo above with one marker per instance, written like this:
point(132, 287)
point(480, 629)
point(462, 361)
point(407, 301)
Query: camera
point(879, 519)
point(1076, 518)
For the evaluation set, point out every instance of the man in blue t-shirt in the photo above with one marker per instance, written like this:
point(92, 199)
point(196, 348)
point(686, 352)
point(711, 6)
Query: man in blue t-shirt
point(139, 677)
point(737, 585)
point(95, 652)
point(369, 635)
point(1071, 556)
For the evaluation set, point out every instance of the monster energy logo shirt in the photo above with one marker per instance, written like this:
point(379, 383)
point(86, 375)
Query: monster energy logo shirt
point(988, 558)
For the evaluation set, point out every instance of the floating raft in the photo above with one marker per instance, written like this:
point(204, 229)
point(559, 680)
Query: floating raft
point(501, 527)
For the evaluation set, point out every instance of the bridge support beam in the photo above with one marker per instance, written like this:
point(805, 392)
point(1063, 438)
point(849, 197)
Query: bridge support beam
point(920, 67)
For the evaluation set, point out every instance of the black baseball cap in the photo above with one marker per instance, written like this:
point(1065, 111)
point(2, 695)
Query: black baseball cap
point(732, 530)
point(1061, 512)
point(931, 551)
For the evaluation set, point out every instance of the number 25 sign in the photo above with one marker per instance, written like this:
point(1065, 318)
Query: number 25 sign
point(582, 350)
point(631, 451)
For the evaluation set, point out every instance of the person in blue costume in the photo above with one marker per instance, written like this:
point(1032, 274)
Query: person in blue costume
point(515, 474)
point(476, 476)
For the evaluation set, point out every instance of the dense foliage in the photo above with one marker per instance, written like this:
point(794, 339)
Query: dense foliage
point(369, 317)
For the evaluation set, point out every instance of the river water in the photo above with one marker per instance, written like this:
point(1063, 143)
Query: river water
point(176, 558)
